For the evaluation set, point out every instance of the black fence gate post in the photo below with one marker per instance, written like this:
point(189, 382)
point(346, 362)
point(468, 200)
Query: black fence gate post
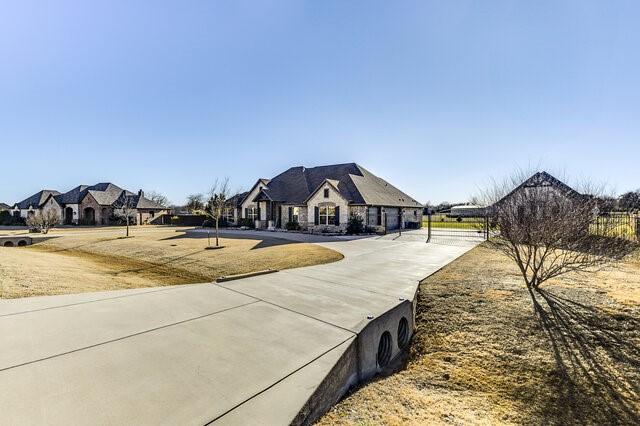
point(486, 228)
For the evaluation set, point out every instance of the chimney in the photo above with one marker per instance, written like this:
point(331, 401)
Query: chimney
point(141, 193)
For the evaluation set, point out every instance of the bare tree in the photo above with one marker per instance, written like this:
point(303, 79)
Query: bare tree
point(630, 201)
point(158, 198)
point(218, 201)
point(125, 208)
point(43, 220)
point(547, 229)
point(195, 203)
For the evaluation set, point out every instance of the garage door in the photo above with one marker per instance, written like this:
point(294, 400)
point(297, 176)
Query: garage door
point(392, 218)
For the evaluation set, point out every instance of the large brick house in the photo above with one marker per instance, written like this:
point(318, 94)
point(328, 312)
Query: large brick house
point(90, 205)
point(324, 198)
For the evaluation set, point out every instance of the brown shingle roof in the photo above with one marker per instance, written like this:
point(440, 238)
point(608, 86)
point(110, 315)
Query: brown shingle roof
point(36, 199)
point(354, 183)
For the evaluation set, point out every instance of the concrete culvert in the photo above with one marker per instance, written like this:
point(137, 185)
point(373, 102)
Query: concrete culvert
point(22, 243)
point(403, 333)
point(384, 349)
point(8, 243)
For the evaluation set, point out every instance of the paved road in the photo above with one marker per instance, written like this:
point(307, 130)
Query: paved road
point(245, 351)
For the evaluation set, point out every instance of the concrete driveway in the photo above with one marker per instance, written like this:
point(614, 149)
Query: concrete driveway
point(247, 351)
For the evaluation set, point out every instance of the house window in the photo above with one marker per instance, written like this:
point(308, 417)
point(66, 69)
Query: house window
point(227, 214)
point(326, 193)
point(295, 214)
point(327, 215)
point(252, 213)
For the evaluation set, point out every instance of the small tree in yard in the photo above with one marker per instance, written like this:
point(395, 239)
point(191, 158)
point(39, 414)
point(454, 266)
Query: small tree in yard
point(158, 198)
point(125, 208)
point(195, 203)
point(43, 220)
point(545, 230)
point(219, 195)
point(630, 201)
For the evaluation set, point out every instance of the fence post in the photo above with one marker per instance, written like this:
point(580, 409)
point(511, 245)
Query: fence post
point(486, 228)
point(429, 226)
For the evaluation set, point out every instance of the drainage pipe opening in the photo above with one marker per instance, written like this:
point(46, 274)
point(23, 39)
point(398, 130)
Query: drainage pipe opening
point(384, 349)
point(403, 333)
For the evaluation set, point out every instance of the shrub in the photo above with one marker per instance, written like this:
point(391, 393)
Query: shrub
point(292, 226)
point(355, 225)
point(8, 219)
point(246, 222)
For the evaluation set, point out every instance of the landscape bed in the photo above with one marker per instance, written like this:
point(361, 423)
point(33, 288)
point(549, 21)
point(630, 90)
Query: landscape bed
point(481, 354)
point(74, 260)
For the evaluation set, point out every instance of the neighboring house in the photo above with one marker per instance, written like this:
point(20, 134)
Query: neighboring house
point(90, 205)
point(545, 180)
point(39, 201)
point(324, 198)
point(4, 207)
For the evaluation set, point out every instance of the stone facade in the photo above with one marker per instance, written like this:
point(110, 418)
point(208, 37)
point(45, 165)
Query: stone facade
point(90, 212)
point(328, 196)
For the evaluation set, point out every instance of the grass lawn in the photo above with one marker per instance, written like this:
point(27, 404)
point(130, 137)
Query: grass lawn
point(94, 259)
point(482, 356)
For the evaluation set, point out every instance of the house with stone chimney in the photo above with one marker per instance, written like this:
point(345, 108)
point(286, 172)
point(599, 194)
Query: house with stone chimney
point(90, 205)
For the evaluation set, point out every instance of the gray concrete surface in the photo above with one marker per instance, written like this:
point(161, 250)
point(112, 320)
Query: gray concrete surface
point(252, 351)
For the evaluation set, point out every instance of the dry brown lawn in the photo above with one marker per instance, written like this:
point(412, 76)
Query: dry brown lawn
point(481, 355)
point(77, 260)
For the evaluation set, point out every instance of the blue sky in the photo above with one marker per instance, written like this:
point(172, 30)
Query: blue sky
point(435, 96)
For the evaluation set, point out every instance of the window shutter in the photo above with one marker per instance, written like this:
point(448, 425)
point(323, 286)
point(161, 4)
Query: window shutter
point(316, 215)
point(337, 221)
point(259, 217)
point(246, 212)
point(379, 216)
point(290, 214)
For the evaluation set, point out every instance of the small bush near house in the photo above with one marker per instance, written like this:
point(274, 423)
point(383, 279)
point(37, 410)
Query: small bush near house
point(292, 226)
point(7, 219)
point(246, 222)
point(355, 225)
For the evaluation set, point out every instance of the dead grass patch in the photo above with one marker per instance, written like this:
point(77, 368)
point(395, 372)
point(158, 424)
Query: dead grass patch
point(481, 355)
point(78, 260)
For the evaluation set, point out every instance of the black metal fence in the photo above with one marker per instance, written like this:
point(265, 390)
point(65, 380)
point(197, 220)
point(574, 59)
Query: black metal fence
point(617, 225)
point(443, 226)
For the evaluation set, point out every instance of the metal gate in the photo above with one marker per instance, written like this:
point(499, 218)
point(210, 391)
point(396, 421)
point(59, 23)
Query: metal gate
point(444, 226)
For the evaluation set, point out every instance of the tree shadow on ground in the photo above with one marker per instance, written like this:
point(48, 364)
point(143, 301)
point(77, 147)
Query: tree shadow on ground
point(263, 242)
point(597, 362)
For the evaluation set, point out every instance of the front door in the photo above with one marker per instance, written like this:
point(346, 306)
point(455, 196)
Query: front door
point(68, 216)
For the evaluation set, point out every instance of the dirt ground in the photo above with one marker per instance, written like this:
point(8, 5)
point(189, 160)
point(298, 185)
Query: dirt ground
point(486, 353)
point(77, 260)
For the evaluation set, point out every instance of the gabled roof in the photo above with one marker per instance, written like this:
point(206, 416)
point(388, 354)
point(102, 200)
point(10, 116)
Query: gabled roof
point(355, 184)
point(37, 199)
point(144, 203)
point(104, 193)
point(334, 183)
point(237, 199)
point(74, 196)
point(262, 195)
point(544, 179)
